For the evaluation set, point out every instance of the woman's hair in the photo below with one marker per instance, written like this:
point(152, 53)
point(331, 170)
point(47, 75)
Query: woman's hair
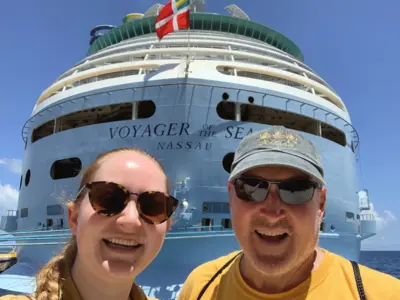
point(49, 278)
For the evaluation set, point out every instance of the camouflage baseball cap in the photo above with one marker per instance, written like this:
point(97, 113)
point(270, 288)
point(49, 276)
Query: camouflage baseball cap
point(277, 146)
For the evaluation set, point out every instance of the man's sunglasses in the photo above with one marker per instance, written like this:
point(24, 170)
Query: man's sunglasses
point(291, 191)
point(109, 199)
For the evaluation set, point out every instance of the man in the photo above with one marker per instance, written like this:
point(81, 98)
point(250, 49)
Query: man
point(277, 198)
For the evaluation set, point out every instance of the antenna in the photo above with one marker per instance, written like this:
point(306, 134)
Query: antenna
point(237, 12)
point(198, 6)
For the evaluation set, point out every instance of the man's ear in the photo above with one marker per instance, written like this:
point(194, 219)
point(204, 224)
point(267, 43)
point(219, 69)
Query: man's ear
point(73, 213)
point(322, 201)
point(231, 191)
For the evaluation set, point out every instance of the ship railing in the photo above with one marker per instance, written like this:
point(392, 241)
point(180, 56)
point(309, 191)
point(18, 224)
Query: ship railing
point(61, 236)
point(175, 52)
point(367, 217)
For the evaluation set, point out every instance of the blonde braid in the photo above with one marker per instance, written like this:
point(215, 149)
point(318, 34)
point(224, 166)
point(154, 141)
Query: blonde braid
point(49, 280)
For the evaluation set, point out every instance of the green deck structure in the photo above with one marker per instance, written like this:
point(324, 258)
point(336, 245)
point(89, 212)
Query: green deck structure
point(200, 21)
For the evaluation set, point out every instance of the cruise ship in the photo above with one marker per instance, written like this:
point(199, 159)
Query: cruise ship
point(188, 100)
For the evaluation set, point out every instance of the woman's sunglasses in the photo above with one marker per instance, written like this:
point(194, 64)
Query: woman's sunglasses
point(109, 199)
point(291, 191)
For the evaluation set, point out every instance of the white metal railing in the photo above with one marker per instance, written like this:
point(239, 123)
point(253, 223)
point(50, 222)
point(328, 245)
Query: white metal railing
point(195, 38)
point(367, 217)
point(61, 236)
point(283, 77)
point(197, 53)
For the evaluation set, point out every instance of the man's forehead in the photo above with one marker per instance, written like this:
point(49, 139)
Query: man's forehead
point(276, 172)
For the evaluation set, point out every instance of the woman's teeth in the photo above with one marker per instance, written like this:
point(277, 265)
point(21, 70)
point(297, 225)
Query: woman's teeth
point(122, 243)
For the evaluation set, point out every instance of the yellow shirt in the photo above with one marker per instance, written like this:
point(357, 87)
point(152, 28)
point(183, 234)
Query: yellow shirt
point(70, 292)
point(333, 280)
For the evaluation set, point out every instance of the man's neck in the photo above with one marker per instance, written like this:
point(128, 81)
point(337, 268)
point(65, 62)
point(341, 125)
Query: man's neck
point(282, 282)
point(93, 287)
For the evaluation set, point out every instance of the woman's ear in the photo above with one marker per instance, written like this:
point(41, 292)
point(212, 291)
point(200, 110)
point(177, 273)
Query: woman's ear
point(73, 212)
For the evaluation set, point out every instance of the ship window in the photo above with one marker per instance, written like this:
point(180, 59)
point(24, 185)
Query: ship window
point(358, 217)
point(216, 25)
point(97, 115)
point(207, 222)
point(226, 223)
point(322, 227)
point(43, 130)
point(331, 133)
point(216, 207)
point(66, 168)
point(27, 177)
point(225, 26)
point(233, 27)
point(349, 216)
point(227, 161)
point(54, 210)
point(206, 24)
point(49, 222)
point(24, 212)
point(146, 28)
point(228, 110)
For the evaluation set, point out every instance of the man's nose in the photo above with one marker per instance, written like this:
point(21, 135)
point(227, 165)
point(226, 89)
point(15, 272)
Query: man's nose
point(272, 207)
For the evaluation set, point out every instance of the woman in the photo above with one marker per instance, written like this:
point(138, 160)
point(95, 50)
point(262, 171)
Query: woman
point(113, 238)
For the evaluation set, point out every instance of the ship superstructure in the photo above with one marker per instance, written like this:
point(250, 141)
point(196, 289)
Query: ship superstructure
point(188, 100)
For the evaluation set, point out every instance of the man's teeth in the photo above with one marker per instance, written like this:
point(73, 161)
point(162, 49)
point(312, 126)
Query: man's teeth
point(266, 233)
point(123, 242)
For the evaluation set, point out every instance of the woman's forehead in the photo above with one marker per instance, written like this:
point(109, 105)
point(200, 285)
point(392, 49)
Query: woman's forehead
point(130, 167)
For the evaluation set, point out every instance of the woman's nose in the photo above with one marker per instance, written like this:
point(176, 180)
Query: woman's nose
point(129, 219)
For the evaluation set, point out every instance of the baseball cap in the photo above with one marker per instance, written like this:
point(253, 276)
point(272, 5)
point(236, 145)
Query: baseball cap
point(277, 146)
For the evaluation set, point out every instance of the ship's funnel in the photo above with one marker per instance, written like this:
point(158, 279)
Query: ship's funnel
point(153, 11)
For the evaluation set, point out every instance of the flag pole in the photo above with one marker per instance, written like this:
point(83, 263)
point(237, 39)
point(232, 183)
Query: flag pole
point(188, 54)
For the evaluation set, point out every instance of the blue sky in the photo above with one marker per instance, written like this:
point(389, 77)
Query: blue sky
point(353, 45)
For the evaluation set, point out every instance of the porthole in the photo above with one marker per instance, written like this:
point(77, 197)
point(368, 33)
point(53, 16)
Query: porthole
point(65, 168)
point(27, 177)
point(226, 110)
point(145, 109)
point(227, 161)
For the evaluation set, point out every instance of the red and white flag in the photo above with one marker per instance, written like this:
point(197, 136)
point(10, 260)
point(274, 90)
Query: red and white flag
point(174, 16)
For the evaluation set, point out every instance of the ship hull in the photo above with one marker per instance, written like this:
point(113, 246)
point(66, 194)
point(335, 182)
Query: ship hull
point(190, 140)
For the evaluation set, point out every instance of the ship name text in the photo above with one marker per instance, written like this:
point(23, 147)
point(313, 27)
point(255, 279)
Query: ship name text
point(133, 131)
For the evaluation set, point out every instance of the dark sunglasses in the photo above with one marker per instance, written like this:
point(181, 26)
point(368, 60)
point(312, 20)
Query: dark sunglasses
point(291, 191)
point(109, 199)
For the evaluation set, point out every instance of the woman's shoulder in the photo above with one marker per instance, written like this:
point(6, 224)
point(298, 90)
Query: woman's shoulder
point(15, 297)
